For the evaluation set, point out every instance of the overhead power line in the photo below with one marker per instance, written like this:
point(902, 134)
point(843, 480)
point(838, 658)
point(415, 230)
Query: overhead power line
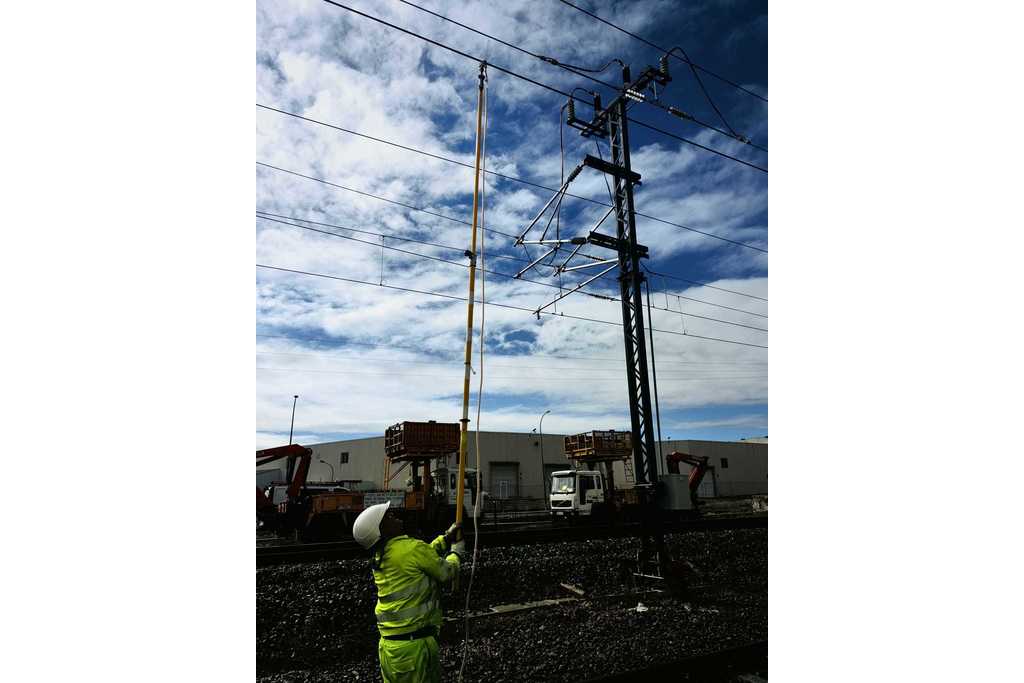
point(383, 199)
point(345, 360)
point(363, 359)
point(581, 72)
point(525, 78)
point(681, 138)
point(505, 275)
point(420, 349)
point(704, 284)
point(494, 173)
point(378, 245)
point(519, 376)
point(588, 367)
point(684, 59)
point(462, 250)
point(493, 303)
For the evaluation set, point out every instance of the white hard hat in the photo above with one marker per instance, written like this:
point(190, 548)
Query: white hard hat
point(366, 529)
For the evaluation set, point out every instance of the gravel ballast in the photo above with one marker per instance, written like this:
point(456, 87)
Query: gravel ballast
point(314, 622)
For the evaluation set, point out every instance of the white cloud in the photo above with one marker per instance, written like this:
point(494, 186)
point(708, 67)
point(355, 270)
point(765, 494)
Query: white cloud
point(333, 66)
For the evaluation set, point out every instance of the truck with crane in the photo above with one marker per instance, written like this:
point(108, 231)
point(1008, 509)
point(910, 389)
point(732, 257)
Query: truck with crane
point(313, 510)
point(305, 509)
point(585, 491)
point(591, 493)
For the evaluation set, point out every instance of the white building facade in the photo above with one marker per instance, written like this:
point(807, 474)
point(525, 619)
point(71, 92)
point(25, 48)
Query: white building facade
point(516, 465)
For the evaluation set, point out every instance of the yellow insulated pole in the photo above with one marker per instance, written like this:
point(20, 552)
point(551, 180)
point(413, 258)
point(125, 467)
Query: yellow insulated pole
point(464, 434)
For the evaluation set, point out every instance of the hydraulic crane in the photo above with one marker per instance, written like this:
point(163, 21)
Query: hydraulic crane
point(298, 455)
point(308, 511)
point(700, 468)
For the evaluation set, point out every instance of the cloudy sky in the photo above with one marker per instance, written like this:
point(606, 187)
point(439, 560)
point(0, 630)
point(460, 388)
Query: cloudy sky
point(361, 356)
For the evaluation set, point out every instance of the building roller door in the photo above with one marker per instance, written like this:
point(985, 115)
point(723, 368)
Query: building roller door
point(707, 485)
point(504, 480)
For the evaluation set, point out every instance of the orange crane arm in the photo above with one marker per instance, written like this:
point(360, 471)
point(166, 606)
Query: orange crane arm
point(296, 476)
point(699, 464)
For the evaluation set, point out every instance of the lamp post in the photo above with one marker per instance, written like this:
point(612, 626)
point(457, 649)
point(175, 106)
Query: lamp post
point(332, 468)
point(292, 428)
point(542, 455)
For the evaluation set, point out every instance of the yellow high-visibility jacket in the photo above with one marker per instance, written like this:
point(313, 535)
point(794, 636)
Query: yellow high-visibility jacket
point(409, 581)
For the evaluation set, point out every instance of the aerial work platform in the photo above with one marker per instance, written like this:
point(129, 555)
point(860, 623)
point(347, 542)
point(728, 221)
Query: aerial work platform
point(599, 445)
point(421, 440)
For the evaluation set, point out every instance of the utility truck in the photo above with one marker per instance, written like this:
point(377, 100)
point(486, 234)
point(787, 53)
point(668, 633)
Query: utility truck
point(321, 510)
point(587, 493)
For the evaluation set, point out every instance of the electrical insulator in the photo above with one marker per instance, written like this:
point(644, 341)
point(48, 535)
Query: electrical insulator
point(572, 110)
point(597, 103)
point(663, 66)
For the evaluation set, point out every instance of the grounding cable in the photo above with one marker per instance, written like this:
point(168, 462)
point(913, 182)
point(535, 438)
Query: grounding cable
point(477, 499)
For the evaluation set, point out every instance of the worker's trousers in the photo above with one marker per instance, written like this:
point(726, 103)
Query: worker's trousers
point(410, 661)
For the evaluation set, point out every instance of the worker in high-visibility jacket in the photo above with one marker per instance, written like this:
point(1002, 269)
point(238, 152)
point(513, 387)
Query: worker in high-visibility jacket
point(409, 574)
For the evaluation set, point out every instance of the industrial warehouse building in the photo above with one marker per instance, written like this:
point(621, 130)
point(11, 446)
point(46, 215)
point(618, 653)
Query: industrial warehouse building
point(516, 465)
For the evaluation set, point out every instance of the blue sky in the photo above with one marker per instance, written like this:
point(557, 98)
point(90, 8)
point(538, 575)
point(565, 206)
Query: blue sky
point(361, 356)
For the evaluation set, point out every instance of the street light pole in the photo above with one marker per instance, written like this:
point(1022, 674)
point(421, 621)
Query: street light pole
point(542, 455)
point(292, 428)
point(332, 469)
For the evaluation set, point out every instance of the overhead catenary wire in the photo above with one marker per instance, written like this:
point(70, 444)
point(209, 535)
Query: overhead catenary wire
point(373, 196)
point(493, 303)
point(494, 173)
point(263, 214)
point(524, 78)
point(420, 349)
point(685, 59)
point(585, 73)
point(682, 139)
point(456, 220)
point(577, 288)
point(704, 284)
point(362, 360)
point(427, 256)
point(517, 376)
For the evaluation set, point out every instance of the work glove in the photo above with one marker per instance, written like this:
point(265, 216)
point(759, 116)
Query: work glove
point(453, 534)
point(459, 550)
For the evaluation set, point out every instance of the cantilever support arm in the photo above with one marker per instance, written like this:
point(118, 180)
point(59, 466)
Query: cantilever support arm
point(577, 287)
point(535, 262)
point(573, 240)
point(572, 176)
point(589, 265)
point(597, 225)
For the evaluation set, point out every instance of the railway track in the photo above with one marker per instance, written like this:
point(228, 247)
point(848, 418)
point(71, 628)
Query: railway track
point(519, 535)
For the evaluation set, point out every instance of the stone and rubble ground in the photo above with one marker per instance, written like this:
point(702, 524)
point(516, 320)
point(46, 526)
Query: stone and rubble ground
point(314, 622)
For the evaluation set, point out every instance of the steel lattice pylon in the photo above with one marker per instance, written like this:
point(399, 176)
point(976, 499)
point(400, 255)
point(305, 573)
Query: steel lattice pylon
point(630, 280)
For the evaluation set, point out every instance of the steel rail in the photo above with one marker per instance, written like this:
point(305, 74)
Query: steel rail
point(348, 549)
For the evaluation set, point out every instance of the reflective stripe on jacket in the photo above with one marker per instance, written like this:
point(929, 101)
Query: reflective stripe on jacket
point(408, 584)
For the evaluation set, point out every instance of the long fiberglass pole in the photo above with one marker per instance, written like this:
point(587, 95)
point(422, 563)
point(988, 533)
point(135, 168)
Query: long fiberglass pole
point(464, 433)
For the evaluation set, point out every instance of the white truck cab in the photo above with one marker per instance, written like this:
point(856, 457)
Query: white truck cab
point(446, 483)
point(574, 492)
